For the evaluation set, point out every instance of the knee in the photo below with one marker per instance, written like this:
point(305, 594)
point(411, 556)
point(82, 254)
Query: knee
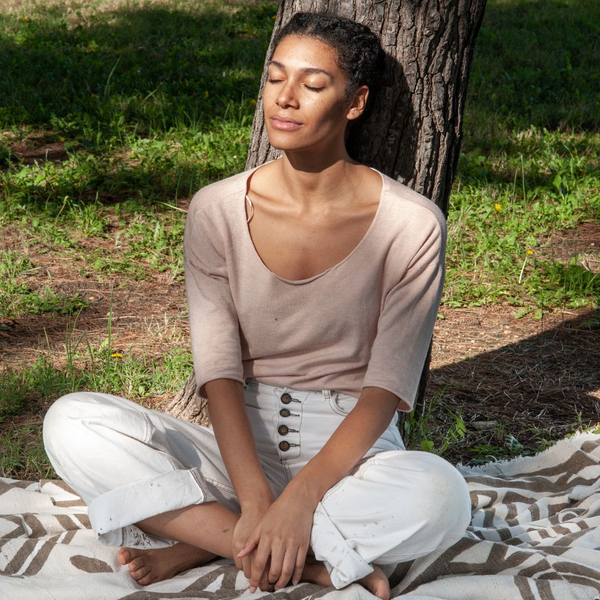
point(66, 412)
point(71, 423)
point(439, 492)
point(445, 495)
point(62, 422)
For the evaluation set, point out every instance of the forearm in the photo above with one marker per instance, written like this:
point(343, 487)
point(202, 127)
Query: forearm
point(348, 444)
point(227, 411)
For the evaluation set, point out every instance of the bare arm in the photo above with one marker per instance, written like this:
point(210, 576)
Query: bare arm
point(348, 444)
point(284, 532)
point(227, 410)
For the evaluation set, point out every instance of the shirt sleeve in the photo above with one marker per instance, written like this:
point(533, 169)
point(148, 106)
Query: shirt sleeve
point(214, 326)
point(406, 322)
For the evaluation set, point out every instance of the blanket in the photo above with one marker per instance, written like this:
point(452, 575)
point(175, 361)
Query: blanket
point(534, 535)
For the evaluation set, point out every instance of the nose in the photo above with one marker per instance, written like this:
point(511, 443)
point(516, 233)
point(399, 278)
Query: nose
point(287, 96)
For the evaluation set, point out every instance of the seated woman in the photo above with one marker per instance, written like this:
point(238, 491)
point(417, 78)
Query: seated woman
point(313, 284)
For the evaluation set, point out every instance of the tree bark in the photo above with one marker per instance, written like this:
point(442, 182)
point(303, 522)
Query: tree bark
point(414, 131)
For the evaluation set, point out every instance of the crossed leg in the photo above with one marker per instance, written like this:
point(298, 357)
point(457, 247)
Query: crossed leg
point(205, 532)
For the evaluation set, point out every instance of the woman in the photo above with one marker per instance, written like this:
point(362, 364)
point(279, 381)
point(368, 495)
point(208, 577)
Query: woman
point(313, 283)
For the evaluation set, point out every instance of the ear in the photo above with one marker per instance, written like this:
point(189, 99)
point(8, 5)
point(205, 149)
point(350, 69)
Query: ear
point(358, 104)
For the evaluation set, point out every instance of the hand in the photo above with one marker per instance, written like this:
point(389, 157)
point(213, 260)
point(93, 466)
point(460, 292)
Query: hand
point(283, 537)
point(248, 522)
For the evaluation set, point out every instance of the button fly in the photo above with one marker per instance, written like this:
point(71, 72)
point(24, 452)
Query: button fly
point(284, 412)
point(283, 430)
point(286, 398)
point(285, 446)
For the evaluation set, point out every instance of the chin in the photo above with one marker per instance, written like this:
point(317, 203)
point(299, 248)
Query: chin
point(280, 142)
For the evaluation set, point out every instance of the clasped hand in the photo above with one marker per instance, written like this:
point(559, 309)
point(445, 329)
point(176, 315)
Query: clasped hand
point(271, 547)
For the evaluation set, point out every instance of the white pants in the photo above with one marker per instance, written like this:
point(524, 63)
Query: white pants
point(129, 463)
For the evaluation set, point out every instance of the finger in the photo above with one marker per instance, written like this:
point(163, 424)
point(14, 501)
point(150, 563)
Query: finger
point(265, 585)
point(299, 567)
point(287, 569)
point(239, 563)
point(250, 544)
point(246, 550)
point(247, 566)
point(277, 557)
point(258, 564)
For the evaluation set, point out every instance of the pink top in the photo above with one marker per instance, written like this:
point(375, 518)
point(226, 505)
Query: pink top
point(365, 322)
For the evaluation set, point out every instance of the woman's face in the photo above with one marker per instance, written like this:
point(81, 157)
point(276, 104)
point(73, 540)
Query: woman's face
point(304, 97)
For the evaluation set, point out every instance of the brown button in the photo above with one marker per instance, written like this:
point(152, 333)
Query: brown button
point(283, 430)
point(286, 398)
point(284, 412)
point(285, 446)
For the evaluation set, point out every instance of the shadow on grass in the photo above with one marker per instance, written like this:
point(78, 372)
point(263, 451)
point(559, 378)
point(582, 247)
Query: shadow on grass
point(152, 68)
point(537, 389)
point(145, 68)
point(535, 67)
point(128, 72)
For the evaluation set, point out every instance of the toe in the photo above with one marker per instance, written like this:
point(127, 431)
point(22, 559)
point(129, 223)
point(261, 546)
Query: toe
point(147, 579)
point(123, 556)
point(140, 574)
point(137, 563)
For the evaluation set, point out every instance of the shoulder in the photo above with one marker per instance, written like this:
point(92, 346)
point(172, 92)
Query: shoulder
point(213, 196)
point(408, 208)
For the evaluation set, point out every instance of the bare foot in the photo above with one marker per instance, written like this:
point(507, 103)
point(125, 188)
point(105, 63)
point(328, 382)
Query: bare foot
point(376, 582)
point(150, 566)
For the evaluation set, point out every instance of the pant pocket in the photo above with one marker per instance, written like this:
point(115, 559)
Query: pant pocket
point(342, 404)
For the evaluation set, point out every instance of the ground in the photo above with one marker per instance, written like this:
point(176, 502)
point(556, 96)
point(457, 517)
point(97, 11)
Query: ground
point(516, 382)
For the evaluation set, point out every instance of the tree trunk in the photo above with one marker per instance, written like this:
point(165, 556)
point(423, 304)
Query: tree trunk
point(413, 134)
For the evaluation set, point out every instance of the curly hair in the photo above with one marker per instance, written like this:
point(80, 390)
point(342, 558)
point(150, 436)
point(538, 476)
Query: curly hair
point(359, 53)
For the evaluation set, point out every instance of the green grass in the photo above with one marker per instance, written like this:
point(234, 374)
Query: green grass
point(500, 232)
point(100, 367)
point(23, 455)
point(149, 102)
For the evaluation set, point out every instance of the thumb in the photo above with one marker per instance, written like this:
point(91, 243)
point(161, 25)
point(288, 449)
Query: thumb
point(251, 543)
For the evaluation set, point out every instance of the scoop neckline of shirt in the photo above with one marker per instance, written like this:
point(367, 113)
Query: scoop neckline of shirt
point(333, 267)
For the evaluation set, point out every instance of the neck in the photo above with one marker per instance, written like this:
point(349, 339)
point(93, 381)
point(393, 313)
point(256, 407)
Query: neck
point(312, 179)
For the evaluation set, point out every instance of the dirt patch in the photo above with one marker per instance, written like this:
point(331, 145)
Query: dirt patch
point(533, 379)
point(39, 146)
point(582, 243)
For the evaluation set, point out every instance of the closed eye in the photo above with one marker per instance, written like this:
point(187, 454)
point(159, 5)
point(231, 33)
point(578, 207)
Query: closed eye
point(314, 89)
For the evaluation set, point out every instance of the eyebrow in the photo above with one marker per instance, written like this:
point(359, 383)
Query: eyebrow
point(308, 70)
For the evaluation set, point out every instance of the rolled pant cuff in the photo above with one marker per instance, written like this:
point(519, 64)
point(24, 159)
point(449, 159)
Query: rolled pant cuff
point(343, 563)
point(113, 514)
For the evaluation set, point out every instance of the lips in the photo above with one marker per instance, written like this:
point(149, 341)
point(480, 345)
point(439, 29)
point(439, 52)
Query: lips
point(285, 123)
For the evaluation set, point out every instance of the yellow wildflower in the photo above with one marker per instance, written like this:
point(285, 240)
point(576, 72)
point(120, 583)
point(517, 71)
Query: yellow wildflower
point(497, 207)
point(116, 355)
point(529, 252)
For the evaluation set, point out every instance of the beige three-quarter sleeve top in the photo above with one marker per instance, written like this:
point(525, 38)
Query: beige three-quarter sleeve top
point(365, 322)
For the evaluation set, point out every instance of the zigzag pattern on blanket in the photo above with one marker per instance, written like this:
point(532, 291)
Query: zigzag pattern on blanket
point(534, 530)
point(534, 535)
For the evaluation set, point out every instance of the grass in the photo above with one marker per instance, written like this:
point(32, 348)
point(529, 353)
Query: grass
point(114, 112)
point(500, 232)
point(85, 366)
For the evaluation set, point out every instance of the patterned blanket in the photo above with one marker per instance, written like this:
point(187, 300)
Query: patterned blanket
point(534, 535)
